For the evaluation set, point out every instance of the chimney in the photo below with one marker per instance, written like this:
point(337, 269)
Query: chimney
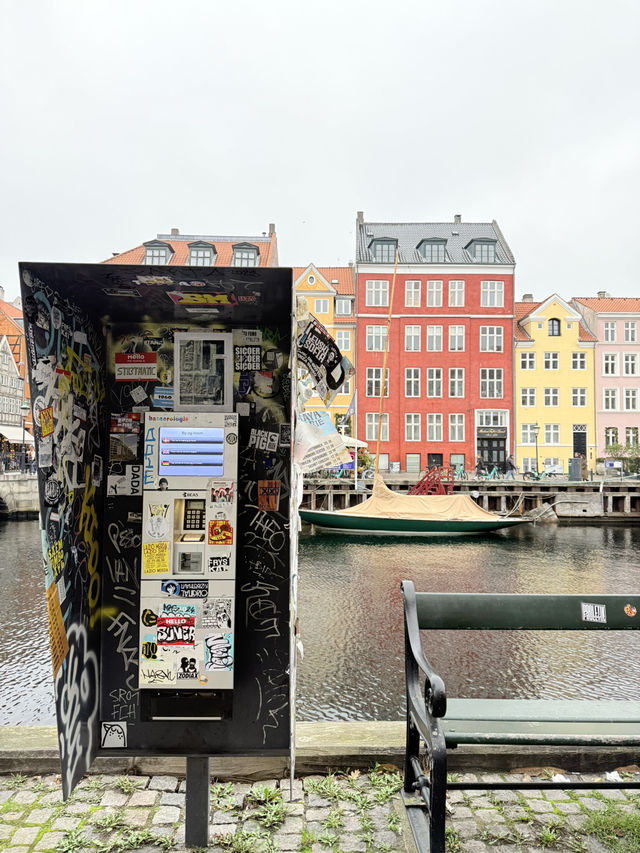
point(359, 217)
point(175, 232)
point(602, 294)
point(272, 229)
point(457, 219)
point(527, 297)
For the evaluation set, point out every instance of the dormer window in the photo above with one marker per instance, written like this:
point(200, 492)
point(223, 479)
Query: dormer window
point(482, 251)
point(245, 255)
point(201, 254)
point(384, 251)
point(553, 328)
point(157, 253)
point(433, 251)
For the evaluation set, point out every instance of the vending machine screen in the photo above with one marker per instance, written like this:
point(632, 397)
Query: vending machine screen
point(191, 452)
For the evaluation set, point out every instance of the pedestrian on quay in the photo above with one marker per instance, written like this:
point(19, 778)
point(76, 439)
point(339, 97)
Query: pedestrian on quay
point(481, 468)
point(511, 468)
point(583, 467)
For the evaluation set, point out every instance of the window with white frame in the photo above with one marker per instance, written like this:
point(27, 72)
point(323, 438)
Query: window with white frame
point(527, 396)
point(492, 294)
point(412, 426)
point(610, 436)
point(156, 255)
point(610, 399)
point(630, 364)
point(201, 256)
point(345, 388)
point(412, 463)
point(434, 426)
point(456, 427)
point(578, 396)
point(384, 251)
point(630, 333)
point(490, 338)
point(528, 463)
point(245, 256)
point(434, 294)
point(528, 433)
point(578, 361)
point(551, 360)
point(434, 338)
point(433, 251)
point(320, 306)
point(412, 294)
point(343, 307)
point(376, 338)
point(631, 436)
point(553, 327)
point(434, 382)
point(527, 361)
point(490, 382)
point(412, 382)
point(456, 338)
point(610, 332)
point(456, 294)
point(412, 339)
point(492, 417)
point(631, 399)
point(371, 427)
point(456, 381)
point(552, 433)
point(343, 339)
point(610, 363)
point(551, 396)
point(551, 462)
point(376, 293)
point(374, 377)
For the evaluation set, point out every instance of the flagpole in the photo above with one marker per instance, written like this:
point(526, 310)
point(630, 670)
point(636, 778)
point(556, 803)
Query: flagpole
point(355, 415)
point(384, 363)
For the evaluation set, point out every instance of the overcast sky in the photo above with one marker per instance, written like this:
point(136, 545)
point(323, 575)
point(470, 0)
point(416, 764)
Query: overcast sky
point(122, 119)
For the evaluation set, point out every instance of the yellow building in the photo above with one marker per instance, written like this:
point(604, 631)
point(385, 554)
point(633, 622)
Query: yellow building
point(554, 386)
point(330, 295)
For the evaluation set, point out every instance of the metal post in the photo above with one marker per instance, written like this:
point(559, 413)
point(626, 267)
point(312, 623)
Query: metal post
point(196, 829)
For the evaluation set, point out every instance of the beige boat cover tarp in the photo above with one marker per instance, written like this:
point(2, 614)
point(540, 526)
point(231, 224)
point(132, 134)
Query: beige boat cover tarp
point(385, 503)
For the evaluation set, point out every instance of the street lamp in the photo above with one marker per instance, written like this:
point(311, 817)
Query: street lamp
point(536, 429)
point(24, 410)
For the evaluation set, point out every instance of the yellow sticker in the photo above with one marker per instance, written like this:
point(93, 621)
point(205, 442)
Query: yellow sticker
point(155, 558)
point(57, 634)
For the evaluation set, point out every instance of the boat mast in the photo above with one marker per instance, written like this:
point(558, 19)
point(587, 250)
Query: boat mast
point(384, 363)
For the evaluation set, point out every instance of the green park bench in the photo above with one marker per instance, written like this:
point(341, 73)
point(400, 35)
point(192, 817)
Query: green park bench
point(441, 723)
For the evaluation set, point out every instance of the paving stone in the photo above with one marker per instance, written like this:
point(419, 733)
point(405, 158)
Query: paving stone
point(15, 850)
point(136, 817)
point(467, 828)
point(217, 829)
point(461, 812)
point(12, 816)
point(353, 844)
point(42, 815)
point(488, 816)
point(513, 812)
point(25, 797)
point(5, 831)
point(613, 794)
point(567, 808)
point(116, 799)
point(4, 796)
point(476, 846)
point(49, 841)
point(455, 796)
point(166, 814)
point(288, 842)
point(575, 821)
point(149, 798)
point(290, 824)
point(167, 798)
point(553, 794)
point(316, 802)
point(25, 835)
point(386, 837)
point(592, 804)
point(163, 783)
point(224, 816)
point(540, 806)
point(505, 796)
point(66, 823)
point(82, 794)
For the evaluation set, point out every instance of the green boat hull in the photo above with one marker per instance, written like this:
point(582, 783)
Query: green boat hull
point(337, 522)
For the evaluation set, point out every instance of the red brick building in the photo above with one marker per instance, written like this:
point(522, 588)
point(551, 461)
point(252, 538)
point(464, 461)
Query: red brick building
point(449, 369)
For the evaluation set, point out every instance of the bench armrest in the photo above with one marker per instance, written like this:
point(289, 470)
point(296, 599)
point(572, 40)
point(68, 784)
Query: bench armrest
point(434, 691)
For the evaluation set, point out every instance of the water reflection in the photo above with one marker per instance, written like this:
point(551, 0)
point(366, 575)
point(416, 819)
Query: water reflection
point(351, 620)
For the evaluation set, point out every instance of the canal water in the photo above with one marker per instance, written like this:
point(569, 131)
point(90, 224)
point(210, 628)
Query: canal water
point(351, 620)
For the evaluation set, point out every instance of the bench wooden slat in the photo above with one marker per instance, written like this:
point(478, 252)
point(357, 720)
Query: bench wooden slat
point(508, 612)
point(545, 710)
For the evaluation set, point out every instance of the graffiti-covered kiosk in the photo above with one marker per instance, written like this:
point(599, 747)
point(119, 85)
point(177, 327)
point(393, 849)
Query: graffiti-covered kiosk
point(162, 427)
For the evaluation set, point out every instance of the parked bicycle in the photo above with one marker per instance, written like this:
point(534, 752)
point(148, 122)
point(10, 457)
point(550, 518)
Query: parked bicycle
point(460, 473)
point(542, 475)
point(493, 474)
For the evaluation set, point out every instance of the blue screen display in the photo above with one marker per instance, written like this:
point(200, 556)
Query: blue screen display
point(191, 452)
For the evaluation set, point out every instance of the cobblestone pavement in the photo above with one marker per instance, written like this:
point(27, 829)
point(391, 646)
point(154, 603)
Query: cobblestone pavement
point(354, 813)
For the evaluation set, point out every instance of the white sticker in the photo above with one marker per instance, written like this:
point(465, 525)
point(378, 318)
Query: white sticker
point(113, 736)
point(139, 394)
point(243, 409)
point(593, 612)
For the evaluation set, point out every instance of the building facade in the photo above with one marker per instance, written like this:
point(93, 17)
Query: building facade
point(330, 295)
point(616, 322)
point(449, 382)
point(555, 400)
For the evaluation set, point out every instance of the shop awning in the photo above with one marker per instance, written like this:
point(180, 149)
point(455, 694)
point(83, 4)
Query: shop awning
point(14, 434)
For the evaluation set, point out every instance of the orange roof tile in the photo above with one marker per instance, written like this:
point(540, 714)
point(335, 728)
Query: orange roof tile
point(10, 310)
point(610, 304)
point(523, 309)
point(342, 275)
point(223, 245)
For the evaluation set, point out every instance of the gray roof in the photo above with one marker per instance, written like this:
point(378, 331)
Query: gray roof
point(409, 235)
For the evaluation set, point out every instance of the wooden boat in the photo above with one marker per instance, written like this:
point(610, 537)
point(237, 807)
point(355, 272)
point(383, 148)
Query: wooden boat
point(387, 513)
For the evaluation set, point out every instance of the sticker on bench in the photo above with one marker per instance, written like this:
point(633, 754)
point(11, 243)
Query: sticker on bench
point(630, 610)
point(593, 612)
